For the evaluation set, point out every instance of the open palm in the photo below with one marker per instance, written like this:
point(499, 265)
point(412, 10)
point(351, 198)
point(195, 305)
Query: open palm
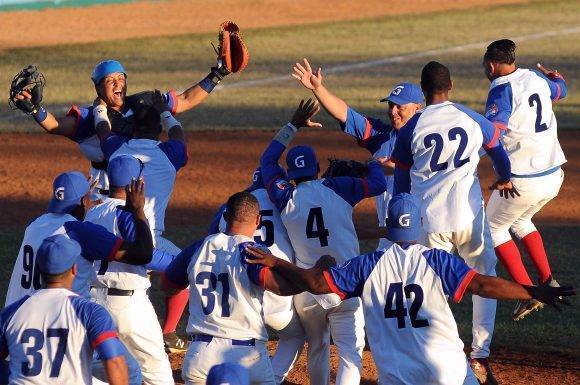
point(303, 73)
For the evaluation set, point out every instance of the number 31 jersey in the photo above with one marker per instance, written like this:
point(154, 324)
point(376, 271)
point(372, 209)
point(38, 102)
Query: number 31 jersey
point(410, 327)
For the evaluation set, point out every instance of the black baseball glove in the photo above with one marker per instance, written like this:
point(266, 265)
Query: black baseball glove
point(344, 167)
point(32, 81)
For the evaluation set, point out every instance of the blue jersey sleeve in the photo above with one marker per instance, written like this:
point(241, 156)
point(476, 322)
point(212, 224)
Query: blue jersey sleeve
point(489, 131)
point(214, 226)
point(348, 279)
point(278, 186)
point(402, 153)
point(84, 126)
point(176, 152)
point(176, 272)
point(255, 272)
point(97, 243)
point(454, 273)
point(370, 133)
point(353, 190)
point(160, 260)
point(5, 317)
point(126, 224)
point(101, 330)
point(111, 144)
point(557, 84)
point(498, 107)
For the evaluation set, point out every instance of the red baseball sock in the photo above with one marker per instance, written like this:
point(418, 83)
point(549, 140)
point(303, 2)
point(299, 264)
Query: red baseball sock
point(511, 258)
point(174, 307)
point(535, 248)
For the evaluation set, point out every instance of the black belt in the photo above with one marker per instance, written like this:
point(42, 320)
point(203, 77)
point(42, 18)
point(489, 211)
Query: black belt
point(208, 338)
point(119, 292)
point(100, 165)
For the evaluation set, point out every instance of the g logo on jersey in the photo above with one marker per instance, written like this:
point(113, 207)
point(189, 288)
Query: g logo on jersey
point(397, 90)
point(59, 193)
point(405, 220)
point(299, 161)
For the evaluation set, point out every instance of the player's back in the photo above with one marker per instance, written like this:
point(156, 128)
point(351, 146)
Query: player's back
point(25, 278)
point(114, 274)
point(223, 301)
point(46, 337)
point(410, 327)
point(319, 222)
point(445, 139)
point(530, 138)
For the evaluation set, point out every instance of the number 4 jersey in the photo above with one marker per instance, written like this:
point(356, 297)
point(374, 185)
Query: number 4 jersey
point(410, 327)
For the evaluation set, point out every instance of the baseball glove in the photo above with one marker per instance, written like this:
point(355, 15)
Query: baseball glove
point(32, 81)
point(233, 54)
point(343, 167)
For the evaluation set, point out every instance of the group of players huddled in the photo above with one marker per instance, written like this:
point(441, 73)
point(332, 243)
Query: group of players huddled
point(284, 253)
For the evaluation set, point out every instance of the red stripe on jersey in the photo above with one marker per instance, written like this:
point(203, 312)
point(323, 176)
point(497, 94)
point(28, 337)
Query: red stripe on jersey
point(368, 130)
point(75, 113)
point(493, 142)
point(173, 96)
point(458, 296)
point(115, 248)
point(330, 281)
point(500, 125)
point(103, 337)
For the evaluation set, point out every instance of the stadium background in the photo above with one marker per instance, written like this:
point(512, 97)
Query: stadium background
point(364, 48)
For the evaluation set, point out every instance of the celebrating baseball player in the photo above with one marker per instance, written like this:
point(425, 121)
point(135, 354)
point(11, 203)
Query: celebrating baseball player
point(404, 288)
point(122, 288)
point(520, 105)
point(279, 312)
point(317, 214)
point(50, 335)
point(436, 156)
point(225, 309)
point(372, 134)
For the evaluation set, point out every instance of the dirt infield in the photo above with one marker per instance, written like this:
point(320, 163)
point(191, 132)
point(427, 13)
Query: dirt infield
point(165, 18)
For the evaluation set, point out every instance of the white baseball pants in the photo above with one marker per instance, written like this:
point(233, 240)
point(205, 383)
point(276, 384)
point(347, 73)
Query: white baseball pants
point(140, 331)
point(290, 344)
point(474, 245)
point(345, 323)
point(516, 213)
point(202, 356)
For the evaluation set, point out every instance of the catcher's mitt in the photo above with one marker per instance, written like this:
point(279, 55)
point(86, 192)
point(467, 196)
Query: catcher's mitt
point(233, 55)
point(343, 167)
point(32, 81)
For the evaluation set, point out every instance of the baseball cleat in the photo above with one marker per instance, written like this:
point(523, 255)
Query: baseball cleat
point(174, 343)
point(523, 308)
point(482, 371)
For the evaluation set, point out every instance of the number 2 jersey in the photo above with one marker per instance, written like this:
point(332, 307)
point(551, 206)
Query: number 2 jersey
point(410, 327)
point(50, 337)
point(520, 104)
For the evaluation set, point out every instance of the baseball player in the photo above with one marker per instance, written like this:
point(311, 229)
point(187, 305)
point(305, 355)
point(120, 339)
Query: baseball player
point(225, 309)
point(404, 289)
point(50, 335)
point(375, 135)
point(279, 312)
point(122, 288)
point(520, 105)
point(317, 214)
point(436, 156)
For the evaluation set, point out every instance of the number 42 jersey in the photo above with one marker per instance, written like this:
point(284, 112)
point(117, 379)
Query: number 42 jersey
point(410, 327)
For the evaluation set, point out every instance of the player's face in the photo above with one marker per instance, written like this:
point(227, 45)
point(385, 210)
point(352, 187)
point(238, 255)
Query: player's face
point(113, 89)
point(399, 114)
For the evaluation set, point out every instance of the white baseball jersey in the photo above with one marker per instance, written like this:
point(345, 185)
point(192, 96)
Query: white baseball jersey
point(50, 337)
point(96, 244)
point(225, 293)
point(440, 145)
point(521, 105)
point(114, 274)
point(410, 327)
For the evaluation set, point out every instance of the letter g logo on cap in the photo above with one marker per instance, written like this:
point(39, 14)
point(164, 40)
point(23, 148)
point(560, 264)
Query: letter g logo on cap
point(397, 90)
point(59, 193)
point(404, 220)
point(299, 161)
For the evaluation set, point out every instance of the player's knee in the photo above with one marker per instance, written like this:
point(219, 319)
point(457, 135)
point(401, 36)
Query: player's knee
point(522, 228)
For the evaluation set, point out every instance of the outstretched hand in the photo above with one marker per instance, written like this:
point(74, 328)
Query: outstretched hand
point(304, 74)
point(304, 113)
point(506, 189)
point(261, 256)
point(551, 295)
point(135, 192)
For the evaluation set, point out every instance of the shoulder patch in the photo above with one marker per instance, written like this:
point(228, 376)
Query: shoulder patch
point(282, 184)
point(492, 110)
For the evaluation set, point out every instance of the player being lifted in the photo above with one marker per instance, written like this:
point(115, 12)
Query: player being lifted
point(520, 105)
point(404, 288)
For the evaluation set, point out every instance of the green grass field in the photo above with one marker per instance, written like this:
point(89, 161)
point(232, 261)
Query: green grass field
point(176, 62)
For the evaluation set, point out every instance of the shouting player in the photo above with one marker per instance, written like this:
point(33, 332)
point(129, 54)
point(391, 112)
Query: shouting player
point(436, 156)
point(520, 105)
point(404, 288)
point(373, 134)
point(317, 214)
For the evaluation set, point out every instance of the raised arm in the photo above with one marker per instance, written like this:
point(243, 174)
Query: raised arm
point(556, 82)
point(354, 190)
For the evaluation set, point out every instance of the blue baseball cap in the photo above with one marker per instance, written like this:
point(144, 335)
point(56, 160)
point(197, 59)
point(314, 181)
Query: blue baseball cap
point(67, 190)
point(228, 373)
point(301, 162)
point(122, 169)
point(405, 93)
point(57, 254)
point(404, 218)
point(105, 68)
